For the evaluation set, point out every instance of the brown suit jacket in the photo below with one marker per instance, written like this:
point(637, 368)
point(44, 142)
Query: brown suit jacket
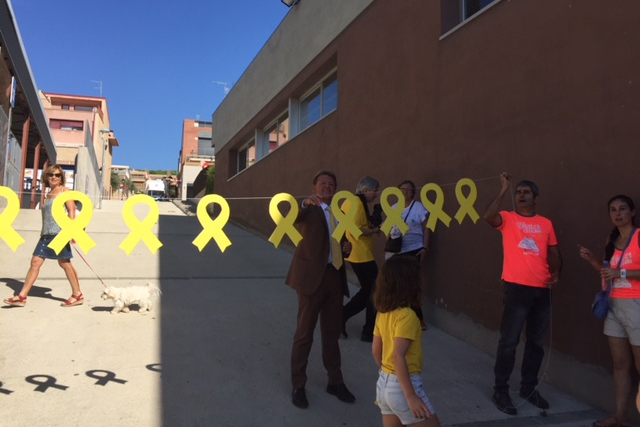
point(312, 253)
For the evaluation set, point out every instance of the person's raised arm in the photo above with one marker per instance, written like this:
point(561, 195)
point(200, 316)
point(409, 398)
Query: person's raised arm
point(491, 215)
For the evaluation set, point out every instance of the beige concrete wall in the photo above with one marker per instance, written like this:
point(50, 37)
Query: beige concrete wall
point(67, 155)
point(86, 181)
point(308, 28)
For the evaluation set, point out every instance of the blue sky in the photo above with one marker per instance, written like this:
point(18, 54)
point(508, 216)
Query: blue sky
point(157, 61)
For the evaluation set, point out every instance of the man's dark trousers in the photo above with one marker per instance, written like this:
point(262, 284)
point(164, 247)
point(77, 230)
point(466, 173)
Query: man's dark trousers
point(325, 302)
point(522, 304)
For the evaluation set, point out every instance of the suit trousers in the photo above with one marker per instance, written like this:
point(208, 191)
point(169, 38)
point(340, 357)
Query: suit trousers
point(326, 303)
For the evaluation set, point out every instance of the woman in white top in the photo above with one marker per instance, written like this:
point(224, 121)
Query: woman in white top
point(415, 242)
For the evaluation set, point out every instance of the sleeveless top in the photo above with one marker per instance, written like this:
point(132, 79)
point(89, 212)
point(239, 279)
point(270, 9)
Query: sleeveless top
point(627, 288)
point(49, 225)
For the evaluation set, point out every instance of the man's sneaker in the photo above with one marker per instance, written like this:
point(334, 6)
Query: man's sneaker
point(534, 398)
point(503, 403)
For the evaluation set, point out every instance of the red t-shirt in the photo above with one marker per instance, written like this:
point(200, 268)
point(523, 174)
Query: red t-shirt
point(525, 241)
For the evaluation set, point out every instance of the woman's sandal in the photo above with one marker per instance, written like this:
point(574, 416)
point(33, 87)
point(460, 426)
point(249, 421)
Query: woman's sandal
point(610, 421)
point(17, 301)
point(77, 300)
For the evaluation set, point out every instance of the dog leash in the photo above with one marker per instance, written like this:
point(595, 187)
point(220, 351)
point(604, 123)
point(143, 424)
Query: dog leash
point(88, 265)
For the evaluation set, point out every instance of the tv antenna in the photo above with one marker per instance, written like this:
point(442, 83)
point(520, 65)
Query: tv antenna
point(99, 87)
point(226, 86)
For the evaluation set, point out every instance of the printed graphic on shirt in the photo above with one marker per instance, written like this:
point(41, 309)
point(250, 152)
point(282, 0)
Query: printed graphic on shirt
point(528, 244)
point(626, 260)
point(530, 228)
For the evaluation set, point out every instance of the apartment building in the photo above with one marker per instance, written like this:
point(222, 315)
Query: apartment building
point(26, 143)
point(139, 179)
point(78, 121)
point(196, 154)
point(435, 91)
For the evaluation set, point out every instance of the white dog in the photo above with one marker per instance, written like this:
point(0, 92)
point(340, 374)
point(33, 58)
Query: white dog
point(124, 297)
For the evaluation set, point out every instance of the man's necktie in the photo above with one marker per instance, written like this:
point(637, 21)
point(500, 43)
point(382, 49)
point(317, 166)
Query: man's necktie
point(336, 250)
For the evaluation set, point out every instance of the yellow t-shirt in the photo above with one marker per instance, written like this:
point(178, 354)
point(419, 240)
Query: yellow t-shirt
point(400, 323)
point(361, 249)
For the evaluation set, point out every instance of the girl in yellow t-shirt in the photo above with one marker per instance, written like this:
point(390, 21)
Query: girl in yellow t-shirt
point(397, 347)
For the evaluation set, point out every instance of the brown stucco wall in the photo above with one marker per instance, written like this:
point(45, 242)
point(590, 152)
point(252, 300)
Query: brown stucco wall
point(546, 90)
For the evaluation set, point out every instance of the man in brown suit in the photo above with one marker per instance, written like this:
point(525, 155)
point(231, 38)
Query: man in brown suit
point(318, 275)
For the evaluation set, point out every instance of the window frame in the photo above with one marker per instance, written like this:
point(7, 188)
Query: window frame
point(464, 21)
point(246, 146)
point(319, 85)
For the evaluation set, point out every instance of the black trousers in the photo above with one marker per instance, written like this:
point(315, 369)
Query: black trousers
point(367, 273)
point(522, 304)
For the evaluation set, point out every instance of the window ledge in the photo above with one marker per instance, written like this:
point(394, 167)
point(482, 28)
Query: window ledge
point(471, 18)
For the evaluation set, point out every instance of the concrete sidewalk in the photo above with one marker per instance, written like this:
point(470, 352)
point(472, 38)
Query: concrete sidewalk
point(215, 350)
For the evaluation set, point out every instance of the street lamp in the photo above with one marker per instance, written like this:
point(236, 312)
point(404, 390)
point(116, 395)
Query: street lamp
point(290, 3)
point(105, 146)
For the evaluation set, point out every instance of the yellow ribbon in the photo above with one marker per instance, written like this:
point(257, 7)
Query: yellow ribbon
point(346, 222)
point(212, 228)
point(284, 225)
point(10, 213)
point(435, 209)
point(394, 216)
point(140, 230)
point(72, 228)
point(466, 203)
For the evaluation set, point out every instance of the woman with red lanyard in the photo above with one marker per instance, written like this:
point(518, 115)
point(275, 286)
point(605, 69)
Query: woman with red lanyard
point(622, 325)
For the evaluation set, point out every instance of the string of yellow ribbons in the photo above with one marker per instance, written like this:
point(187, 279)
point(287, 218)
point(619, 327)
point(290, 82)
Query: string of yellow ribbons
point(213, 229)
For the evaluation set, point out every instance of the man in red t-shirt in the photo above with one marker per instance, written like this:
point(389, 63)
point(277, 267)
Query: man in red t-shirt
point(530, 268)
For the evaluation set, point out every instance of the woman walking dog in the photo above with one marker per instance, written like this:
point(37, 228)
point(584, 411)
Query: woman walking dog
point(53, 178)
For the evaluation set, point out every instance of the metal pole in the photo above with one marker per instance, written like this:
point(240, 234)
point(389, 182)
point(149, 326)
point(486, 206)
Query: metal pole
point(102, 171)
point(105, 144)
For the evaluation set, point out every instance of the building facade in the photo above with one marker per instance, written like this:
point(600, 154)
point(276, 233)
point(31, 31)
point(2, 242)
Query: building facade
point(26, 143)
point(139, 179)
point(435, 91)
point(78, 122)
point(196, 154)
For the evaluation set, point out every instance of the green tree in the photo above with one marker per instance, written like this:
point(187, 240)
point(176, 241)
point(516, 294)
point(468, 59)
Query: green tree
point(211, 177)
point(115, 181)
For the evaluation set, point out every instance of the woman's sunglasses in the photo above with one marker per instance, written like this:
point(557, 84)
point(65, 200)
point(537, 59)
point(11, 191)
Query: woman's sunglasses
point(56, 175)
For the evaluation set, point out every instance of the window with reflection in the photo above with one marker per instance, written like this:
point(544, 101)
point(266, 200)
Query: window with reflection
point(320, 102)
point(277, 134)
point(247, 156)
